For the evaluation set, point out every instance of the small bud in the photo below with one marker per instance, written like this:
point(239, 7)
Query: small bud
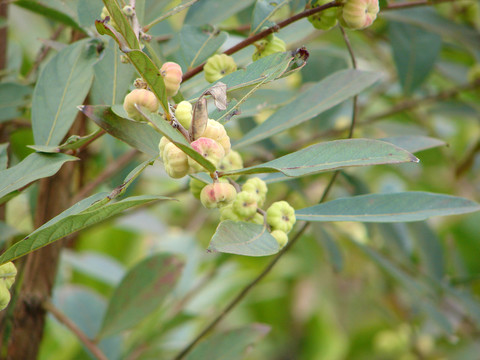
point(183, 113)
point(175, 160)
point(257, 187)
point(124, 59)
point(218, 66)
point(143, 98)
point(281, 237)
point(359, 14)
point(217, 195)
point(139, 83)
point(245, 205)
point(281, 216)
point(128, 10)
point(209, 149)
point(172, 76)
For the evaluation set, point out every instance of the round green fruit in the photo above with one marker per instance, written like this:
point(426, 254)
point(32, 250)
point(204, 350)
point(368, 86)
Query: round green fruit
point(268, 47)
point(245, 205)
point(217, 195)
point(8, 271)
point(257, 187)
point(325, 19)
point(227, 213)
point(218, 66)
point(281, 216)
point(172, 77)
point(4, 296)
point(281, 237)
point(183, 113)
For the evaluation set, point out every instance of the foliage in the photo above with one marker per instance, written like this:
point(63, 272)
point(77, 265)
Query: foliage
point(370, 269)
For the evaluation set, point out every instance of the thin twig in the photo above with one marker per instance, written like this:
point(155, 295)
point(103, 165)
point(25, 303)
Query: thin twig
point(111, 170)
point(62, 318)
point(410, 4)
point(251, 39)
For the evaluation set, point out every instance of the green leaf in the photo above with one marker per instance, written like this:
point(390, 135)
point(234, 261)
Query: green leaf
point(178, 139)
point(403, 206)
point(62, 85)
point(88, 11)
point(54, 9)
point(213, 11)
point(197, 44)
point(263, 10)
point(311, 102)
point(332, 155)
point(430, 248)
point(243, 238)
point(123, 24)
point(231, 345)
point(33, 167)
point(3, 156)
point(112, 77)
point(334, 254)
point(415, 52)
point(140, 292)
point(261, 71)
point(414, 143)
point(80, 216)
point(72, 143)
point(12, 98)
point(151, 74)
point(137, 134)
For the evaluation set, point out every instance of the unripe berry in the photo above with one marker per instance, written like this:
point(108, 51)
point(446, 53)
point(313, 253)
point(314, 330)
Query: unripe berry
point(325, 19)
point(183, 113)
point(8, 272)
point(281, 216)
point(217, 195)
point(172, 76)
point(257, 187)
point(4, 296)
point(161, 145)
point(268, 47)
point(257, 219)
point(218, 66)
point(281, 237)
point(359, 14)
point(209, 149)
point(175, 160)
point(143, 98)
point(217, 132)
point(231, 161)
point(196, 187)
point(245, 204)
point(227, 213)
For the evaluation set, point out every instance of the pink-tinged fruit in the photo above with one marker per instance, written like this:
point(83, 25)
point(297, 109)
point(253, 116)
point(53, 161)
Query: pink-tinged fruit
point(142, 98)
point(217, 195)
point(209, 149)
point(172, 77)
point(359, 14)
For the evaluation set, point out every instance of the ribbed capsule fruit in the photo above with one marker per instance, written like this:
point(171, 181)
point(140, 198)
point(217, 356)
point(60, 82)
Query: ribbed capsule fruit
point(8, 271)
point(245, 205)
point(142, 98)
point(217, 195)
point(325, 19)
point(172, 77)
point(268, 47)
point(183, 113)
point(257, 187)
point(216, 131)
point(281, 237)
point(218, 66)
point(281, 216)
point(175, 161)
point(209, 149)
point(359, 14)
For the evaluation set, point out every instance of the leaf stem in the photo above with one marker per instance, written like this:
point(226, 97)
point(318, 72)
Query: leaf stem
point(62, 318)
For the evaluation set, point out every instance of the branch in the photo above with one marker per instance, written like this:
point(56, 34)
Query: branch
point(62, 318)
point(251, 39)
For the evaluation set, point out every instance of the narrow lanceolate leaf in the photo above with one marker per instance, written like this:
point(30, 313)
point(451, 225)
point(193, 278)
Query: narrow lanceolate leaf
point(151, 74)
point(140, 292)
point(122, 23)
point(404, 206)
point(414, 143)
point(61, 87)
point(332, 155)
point(263, 11)
point(264, 70)
point(134, 133)
point(311, 102)
point(243, 238)
point(35, 166)
point(230, 345)
point(80, 216)
point(13, 97)
point(178, 139)
point(61, 11)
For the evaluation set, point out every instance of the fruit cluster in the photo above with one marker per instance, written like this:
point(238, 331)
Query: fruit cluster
point(354, 14)
point(7, 278)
